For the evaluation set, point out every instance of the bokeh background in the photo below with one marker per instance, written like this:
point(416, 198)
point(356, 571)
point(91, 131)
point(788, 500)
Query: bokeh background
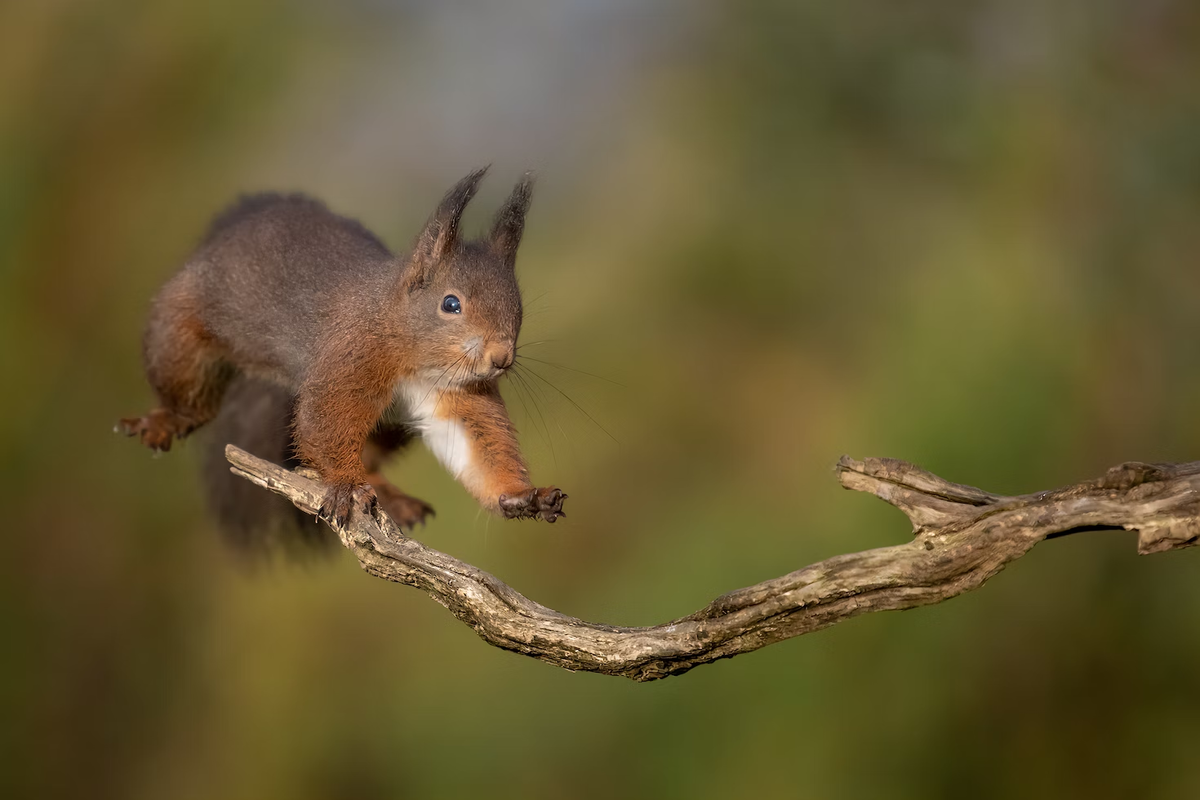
point(960, 233)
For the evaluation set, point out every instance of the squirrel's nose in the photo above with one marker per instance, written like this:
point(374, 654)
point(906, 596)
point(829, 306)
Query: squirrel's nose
point(500, 355)
point(502, 359)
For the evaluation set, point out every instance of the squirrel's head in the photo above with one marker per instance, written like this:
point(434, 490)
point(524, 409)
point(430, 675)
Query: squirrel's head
point(462, 296)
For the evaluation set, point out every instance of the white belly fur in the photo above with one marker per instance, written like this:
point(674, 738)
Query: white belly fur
point(415, 404)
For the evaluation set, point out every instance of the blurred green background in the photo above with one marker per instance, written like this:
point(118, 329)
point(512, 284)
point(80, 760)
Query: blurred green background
point(962, 234)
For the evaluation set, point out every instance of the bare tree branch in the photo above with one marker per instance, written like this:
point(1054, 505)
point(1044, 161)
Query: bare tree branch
point(962, 537)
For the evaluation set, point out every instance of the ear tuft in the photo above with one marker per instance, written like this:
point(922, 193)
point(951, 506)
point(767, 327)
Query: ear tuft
point(440, 235)
point(510, 220)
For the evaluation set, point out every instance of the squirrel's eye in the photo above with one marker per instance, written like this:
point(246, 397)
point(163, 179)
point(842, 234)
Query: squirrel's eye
point(451, 305)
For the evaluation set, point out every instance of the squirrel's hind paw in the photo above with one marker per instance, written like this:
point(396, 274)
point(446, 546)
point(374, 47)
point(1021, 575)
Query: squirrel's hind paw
point(406, 511)
point(344, 497)
point(156, 430)
point(545, 504)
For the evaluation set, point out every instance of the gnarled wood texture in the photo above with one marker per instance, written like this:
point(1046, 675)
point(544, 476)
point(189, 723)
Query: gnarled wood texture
point(962, 537)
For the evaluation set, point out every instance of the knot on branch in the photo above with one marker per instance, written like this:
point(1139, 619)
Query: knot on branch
point(1133, 473)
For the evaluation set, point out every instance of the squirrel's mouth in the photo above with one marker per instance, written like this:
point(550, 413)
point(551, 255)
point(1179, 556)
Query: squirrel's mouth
point(491, 374)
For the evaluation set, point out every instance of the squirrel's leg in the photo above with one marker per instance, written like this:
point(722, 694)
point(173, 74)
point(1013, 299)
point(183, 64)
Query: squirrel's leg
point(185, 366)
point(337, 407)
point(405, 510)
point(471, 434)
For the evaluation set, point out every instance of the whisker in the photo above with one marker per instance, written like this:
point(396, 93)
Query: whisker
point(438, 379)
point(534, 300)
point(572, 369)
point(534, 344)
point(557, 424)
point(544, 432)
point(455, 379)
point(434, 386)
point(570, 400)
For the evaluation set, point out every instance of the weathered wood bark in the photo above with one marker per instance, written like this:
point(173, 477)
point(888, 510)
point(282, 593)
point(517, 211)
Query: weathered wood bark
point(962, 537)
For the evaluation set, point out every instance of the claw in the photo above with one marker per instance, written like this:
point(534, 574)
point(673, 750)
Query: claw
point(341, 499)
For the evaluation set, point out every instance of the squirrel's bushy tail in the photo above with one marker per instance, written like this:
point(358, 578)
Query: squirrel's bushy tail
point(257, 417)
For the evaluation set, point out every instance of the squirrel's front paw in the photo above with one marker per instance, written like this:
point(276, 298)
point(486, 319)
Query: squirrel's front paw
point(341, 498)
point(534, 504)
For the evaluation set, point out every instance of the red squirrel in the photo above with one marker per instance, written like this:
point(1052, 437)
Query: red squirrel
point(338, 352)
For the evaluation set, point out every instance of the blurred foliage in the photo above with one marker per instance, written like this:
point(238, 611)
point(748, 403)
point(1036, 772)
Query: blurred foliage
point(963, 234)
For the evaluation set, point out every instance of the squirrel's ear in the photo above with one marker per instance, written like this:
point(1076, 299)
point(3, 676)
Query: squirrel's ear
point(510, 220)
point(441, 232)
